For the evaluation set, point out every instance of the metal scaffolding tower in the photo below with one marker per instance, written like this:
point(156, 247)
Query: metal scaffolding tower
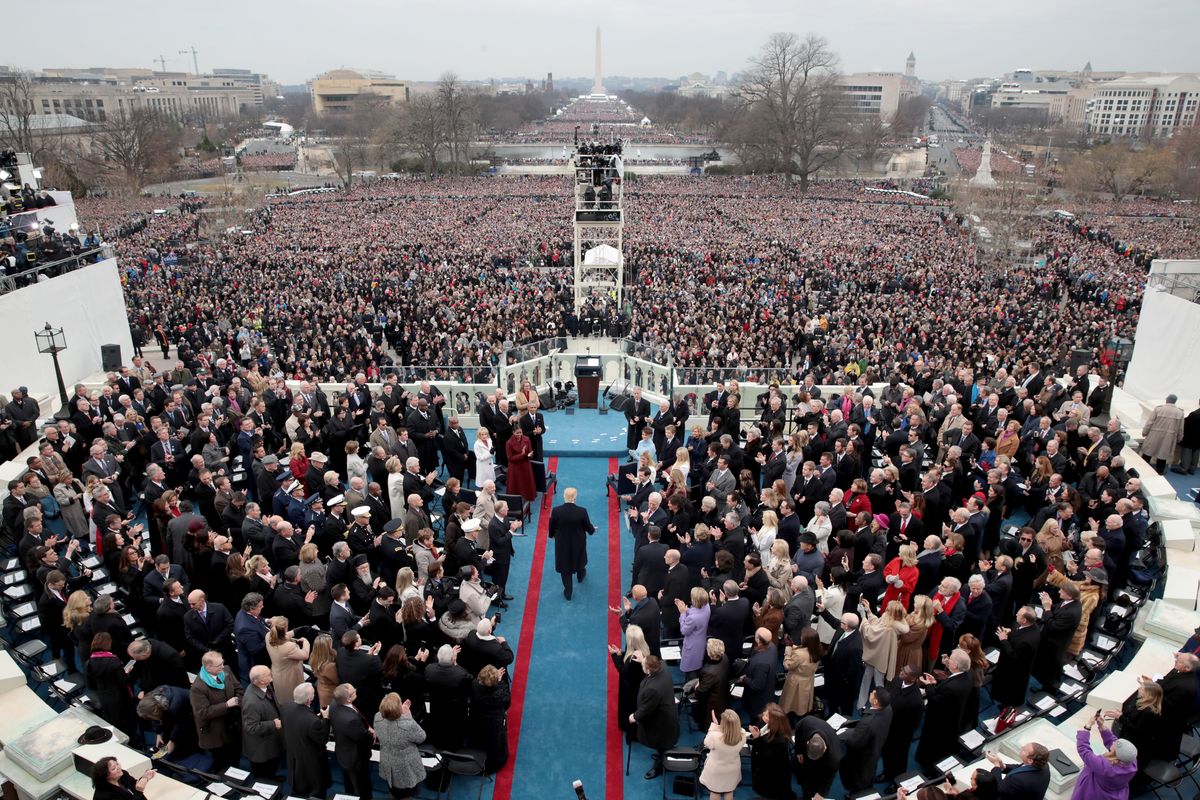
point(599, 220)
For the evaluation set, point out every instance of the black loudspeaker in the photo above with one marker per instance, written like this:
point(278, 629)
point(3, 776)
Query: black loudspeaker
point(110, 357)
point(1080, 357)
point(619, 402)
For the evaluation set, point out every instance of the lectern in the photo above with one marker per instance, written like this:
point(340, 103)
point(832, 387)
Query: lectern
point(587, 380)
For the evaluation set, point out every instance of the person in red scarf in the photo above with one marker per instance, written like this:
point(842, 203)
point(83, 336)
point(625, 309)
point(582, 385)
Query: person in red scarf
point(901, 575)
point(948, 613)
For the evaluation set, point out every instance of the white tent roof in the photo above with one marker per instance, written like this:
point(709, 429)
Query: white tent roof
point(602, 255)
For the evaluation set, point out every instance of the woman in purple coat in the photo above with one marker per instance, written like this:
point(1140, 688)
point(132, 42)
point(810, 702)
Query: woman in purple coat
point(1105, 776)
point(693, 623)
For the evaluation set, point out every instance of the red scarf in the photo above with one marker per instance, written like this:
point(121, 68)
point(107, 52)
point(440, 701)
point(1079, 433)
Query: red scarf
point(935, 630)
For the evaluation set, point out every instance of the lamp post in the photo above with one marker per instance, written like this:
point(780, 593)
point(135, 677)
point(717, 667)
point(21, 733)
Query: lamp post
point(51, 340)
point(1124, 348)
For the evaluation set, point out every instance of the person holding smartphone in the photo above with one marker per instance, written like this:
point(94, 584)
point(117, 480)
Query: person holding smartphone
point(1105, 776)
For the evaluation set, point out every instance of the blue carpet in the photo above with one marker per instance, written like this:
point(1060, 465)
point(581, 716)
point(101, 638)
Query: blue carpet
point(580, 433)
point(564, 725)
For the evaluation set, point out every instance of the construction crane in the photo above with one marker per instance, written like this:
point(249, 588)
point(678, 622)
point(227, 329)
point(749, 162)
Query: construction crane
point(195, 62)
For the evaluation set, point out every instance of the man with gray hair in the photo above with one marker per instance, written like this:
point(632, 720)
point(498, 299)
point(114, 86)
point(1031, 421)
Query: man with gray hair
point(1161, 434)
point(945, 705)
point(416, 483)
point(1059, 623)
point(797, 614)
point(979, 609)
point(949, 610)
point(352, 738)
point(262, 735)
point(449, 687)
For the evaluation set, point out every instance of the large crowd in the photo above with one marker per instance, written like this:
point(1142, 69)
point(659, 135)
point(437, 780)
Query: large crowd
point(285, 528)
point(448, 272)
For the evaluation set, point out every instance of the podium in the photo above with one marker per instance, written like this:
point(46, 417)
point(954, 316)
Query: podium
point(587, 380)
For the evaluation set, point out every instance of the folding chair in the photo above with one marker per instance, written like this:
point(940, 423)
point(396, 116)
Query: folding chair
point(681, 762)
point(1164, 775)
point(517, 509)
point(467, 763)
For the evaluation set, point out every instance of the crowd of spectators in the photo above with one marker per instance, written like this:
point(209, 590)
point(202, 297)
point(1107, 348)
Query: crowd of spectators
point(450, 271)
point(268, 161)
point(1003, 164)
point(287, 527)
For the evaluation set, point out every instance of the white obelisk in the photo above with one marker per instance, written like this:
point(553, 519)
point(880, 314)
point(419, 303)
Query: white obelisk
point(598, 82)
point(983, 176)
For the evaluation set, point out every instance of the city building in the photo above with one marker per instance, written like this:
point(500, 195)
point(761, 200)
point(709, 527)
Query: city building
point(877, 93)
point(700, 85)
point(97, 94)
point(1143, 106)
point(336, 91)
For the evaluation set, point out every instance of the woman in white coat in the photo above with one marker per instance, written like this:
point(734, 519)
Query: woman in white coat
point(395, 486)
point(723, 768)
point(485, 457)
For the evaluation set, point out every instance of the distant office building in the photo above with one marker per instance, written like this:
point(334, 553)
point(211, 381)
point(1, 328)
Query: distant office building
point(1143, 106)
point(335, 92)
point(97, 95)
point(879, 93)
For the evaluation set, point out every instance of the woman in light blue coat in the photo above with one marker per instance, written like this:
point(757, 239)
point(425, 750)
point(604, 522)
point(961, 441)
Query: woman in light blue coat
point(693, 623)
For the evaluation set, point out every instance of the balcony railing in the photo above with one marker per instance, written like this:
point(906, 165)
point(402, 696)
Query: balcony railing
point(12, 281)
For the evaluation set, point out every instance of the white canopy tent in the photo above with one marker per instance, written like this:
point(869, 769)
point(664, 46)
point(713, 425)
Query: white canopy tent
point(603, 255)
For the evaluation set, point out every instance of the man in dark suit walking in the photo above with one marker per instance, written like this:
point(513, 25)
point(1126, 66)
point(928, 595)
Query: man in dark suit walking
point(569, 528)
point(352, 738)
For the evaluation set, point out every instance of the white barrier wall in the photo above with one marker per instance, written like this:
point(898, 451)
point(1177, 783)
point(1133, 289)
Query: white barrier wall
point(1166, 352)
point(87, 304)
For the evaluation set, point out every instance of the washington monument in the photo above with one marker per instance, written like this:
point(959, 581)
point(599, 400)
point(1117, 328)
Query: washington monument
point(598, 83)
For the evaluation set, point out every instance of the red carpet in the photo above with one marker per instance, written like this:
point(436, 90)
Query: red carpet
point(520, 680)
point(614, 777)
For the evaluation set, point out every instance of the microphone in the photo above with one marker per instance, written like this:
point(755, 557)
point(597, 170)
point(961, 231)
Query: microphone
point(578, 786)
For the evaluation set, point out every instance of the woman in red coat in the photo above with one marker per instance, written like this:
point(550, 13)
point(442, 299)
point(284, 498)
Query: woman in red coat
point(900, 575)
point(857, 502)
point(520, 472)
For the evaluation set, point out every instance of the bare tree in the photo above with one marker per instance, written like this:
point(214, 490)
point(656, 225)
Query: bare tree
point(356, 133)
point(1116, 168)
point(793, 85)
point(1185, 152)
point(458, 113)
point(18, 129)
point(134, 147)
point(423, 130)
point(910, 114)
point(866, 140)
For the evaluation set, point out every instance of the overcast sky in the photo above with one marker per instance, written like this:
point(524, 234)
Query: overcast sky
point(420, 39)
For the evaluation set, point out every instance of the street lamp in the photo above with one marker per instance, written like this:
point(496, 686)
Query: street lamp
point(1124, 349)
point(51, 340)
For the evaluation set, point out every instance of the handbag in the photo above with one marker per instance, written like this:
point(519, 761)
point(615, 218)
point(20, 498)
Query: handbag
point(1006, 720)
